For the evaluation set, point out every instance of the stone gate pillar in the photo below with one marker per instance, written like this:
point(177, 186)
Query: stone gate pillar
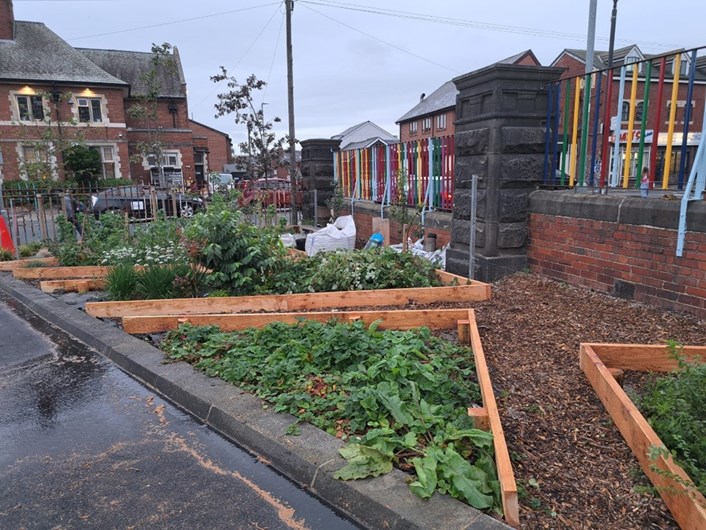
point(500, 119)
point(317, 173)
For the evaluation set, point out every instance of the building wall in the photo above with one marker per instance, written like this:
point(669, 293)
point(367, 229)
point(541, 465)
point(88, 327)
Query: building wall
point(622, 246)
point(217, 143)
point(434, 132)
point(111, 131)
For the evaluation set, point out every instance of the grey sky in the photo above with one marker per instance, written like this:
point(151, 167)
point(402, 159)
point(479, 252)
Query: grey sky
point(352, 65)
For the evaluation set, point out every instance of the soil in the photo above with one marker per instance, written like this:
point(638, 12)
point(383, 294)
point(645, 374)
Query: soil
point(573, 468)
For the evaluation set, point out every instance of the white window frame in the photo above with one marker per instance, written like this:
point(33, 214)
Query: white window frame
point(87, 102)
point(413, 127)
point(441, 121)
point(167, 155)
point(426, 124)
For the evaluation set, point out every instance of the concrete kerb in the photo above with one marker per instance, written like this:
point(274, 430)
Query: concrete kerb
point(308, 459)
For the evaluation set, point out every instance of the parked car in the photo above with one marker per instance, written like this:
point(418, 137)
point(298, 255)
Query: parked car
point(137, 202)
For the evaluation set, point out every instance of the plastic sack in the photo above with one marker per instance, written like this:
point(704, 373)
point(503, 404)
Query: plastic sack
point(340, 234)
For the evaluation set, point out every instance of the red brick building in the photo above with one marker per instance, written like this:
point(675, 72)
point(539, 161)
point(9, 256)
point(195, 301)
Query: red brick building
point(574, 62)
point(53, 95)
point(435, 114)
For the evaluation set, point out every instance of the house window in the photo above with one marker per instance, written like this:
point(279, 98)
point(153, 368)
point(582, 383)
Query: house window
point(30, 108)
point(413, 127)
point(107, 154)
point(426, 124)
point(441, 121)
point(639, 108)
point(32, 154)
point(681, 112)
point(169, 159)
point(89, 110)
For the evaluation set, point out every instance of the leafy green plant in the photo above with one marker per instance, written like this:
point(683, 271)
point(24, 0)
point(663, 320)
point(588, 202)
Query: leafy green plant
point(6, 255)
point(29, 249)
point(398, 397)
point(675, 407)
point(238, 255)
point(121, 283)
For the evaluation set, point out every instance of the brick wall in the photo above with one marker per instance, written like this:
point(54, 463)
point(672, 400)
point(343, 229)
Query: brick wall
point(623, 246)
point(218, 143)
point(438, 223)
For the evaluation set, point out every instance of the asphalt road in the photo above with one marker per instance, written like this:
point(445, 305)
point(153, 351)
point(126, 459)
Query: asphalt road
point(82, 445)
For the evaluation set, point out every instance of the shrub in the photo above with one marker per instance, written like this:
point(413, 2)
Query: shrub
point(30, 249)
point(6, 255)
point(240, 256)
point(121, 283)
point(675, 407)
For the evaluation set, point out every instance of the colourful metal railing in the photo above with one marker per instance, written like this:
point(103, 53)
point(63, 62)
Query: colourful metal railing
point(578, 152)
point(373, 173)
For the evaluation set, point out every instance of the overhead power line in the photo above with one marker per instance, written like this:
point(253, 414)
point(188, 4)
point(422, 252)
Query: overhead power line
point(379, 40)
point(161, 24)
point(473, 23)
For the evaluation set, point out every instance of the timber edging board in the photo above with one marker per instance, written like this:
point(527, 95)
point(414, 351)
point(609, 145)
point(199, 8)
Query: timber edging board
point(398, 319)
point(688, 505)
point(73, 285)
point(8, 266)
point(61, 273)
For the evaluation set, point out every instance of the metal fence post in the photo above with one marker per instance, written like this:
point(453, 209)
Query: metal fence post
point(472, 235)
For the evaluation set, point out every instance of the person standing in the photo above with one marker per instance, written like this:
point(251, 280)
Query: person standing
point(645, 182)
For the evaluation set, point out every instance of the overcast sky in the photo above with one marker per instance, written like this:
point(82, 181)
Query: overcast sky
point(354, 60)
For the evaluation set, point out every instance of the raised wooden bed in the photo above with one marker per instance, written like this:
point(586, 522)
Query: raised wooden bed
point(61, 273)
point(602, 364)
point(80, 285)
point(464, 291)
point(7, 266)
point(485, 417)
point(434, 319)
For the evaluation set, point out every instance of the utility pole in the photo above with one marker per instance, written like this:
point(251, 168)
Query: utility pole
point(290, 103)
point(611, 45)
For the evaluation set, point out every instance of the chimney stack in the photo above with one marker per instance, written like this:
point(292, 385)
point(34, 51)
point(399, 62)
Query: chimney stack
point(7, 20)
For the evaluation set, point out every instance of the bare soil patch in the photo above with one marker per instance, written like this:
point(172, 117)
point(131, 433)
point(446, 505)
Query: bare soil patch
point(572, 463)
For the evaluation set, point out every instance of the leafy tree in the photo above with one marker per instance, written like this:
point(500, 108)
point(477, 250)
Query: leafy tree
point(146, 110)
point(263, 151)
point(84, 163)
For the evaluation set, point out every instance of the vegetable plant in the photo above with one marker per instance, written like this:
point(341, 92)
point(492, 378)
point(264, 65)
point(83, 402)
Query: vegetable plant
point(398, 397)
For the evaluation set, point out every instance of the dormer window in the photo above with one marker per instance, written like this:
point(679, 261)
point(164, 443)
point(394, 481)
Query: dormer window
point(630, 61)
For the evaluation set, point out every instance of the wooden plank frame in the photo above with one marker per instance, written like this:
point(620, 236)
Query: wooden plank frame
point(464, 291)
point(404, 319)
point(72, 285)
point(61, 273)
point(485, 417)
point(9, 266)
point(687, 505)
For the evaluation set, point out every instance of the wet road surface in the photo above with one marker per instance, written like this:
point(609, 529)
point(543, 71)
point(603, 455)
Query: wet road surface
point(82, 445)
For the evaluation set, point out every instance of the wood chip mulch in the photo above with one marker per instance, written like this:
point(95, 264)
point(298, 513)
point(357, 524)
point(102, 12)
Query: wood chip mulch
point(571, 461)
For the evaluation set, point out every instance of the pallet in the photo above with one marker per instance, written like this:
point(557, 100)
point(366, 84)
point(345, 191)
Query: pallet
point(8, 266)
point(601, 363)
point(81, 285)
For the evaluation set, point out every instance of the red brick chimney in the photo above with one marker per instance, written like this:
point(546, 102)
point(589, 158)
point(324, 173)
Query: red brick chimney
point(7, 20)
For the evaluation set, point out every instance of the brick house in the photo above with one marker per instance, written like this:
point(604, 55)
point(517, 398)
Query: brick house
point(574, 61)
point(53, 95)
point(435, 114)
